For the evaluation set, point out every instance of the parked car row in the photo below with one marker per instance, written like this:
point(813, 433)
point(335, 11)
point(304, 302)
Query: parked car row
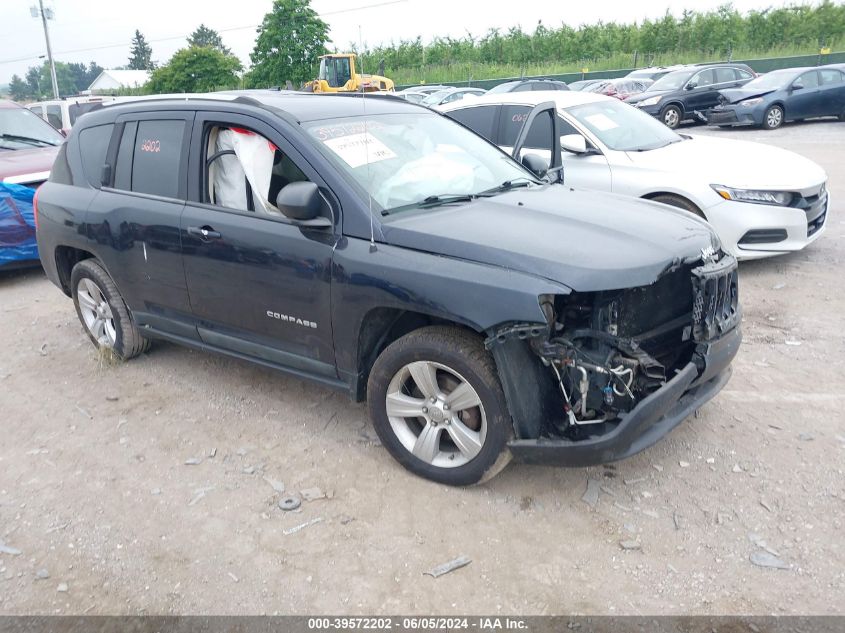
point(761, 200)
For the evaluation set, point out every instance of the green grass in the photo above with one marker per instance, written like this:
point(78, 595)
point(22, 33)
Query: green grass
point(469, 71)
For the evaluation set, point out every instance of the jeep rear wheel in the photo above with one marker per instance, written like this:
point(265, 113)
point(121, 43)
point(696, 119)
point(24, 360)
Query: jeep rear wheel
point(103, 312)
point(437, 405)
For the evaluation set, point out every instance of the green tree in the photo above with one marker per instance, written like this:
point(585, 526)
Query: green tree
point(196, 69)
point(19, 90)
point(290, 39)
point(204, 36)
point(141, 54)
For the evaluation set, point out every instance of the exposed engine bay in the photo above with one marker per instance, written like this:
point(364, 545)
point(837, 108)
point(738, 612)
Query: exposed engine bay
point(604, 352)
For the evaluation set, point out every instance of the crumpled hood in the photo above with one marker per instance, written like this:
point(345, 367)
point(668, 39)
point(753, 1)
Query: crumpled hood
point(586, 240)
point(735, 95)
point(732, 163)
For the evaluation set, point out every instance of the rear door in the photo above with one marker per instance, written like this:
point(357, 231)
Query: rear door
point(259, 284)
point(831, 92)
point(135, 217)
point(803, 102)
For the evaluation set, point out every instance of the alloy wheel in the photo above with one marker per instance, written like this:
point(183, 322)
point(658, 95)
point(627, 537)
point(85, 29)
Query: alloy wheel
point(96, 312)
point(436, 414)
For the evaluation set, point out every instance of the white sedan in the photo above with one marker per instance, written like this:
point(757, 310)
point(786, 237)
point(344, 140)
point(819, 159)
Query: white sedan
point(760, 199)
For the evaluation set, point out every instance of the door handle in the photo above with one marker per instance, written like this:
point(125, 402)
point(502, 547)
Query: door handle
point(205, 233)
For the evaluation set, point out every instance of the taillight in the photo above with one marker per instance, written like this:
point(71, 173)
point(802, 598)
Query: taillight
point(35, 206)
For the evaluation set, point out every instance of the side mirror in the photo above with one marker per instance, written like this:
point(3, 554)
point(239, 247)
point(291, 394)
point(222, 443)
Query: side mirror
point(690, 85)
point(574, 143)
point(300, 201)
point(798, 86)
point(535, 164)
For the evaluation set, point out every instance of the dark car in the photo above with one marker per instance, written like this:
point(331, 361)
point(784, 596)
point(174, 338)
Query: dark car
point(623, 88)
point(378, 247)
point(791, 94)
point(675, 97)
point(28, 147)
point(527, 85)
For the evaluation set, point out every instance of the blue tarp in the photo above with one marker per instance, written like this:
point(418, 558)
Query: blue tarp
point(17, 224)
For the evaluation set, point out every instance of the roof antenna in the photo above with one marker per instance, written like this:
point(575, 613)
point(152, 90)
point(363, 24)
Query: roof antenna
point(366, 143)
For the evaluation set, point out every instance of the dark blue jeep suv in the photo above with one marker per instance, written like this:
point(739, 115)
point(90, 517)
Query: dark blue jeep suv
point(378, 247)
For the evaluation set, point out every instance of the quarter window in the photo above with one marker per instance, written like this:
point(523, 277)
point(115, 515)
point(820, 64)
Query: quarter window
point(742, 75)
point(94, 142)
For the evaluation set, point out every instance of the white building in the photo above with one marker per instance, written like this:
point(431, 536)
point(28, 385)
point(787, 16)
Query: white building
point(116, 79)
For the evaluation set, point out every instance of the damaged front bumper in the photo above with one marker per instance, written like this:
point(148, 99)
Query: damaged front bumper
point(645, 424)
point(621, 382)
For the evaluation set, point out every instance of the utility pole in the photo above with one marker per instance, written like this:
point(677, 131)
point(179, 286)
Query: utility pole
point(36, 12)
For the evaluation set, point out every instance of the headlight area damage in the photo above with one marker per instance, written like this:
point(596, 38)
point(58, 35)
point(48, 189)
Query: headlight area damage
point(612, 372)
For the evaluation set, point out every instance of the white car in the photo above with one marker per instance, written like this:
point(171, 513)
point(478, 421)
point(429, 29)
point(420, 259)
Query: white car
point(761, 200)
point(62, 113)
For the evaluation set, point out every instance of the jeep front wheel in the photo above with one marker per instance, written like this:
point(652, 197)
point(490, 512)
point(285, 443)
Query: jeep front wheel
point(437, 405)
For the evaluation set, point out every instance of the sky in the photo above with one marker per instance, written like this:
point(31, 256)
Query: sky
point(101, 30)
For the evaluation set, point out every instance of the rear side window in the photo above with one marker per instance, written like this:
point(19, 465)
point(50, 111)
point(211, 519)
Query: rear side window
point(479, 120)
point(149, 159)
point(94, 145)
point(830, 76)
point(725, 75)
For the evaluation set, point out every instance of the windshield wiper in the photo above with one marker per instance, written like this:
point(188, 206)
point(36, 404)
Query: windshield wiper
point(433, 201)
point(521, 181)
point(26, 139)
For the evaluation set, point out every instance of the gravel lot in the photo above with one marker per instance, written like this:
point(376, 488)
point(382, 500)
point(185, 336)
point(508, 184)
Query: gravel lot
point(109, 518)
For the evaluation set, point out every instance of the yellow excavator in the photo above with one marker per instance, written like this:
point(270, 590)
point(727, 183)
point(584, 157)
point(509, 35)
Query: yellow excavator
point(337, 74)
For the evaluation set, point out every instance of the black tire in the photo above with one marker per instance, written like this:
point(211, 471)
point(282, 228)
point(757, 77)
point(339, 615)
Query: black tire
point(671, 116)
point(128, 341)
point(461, 352)
point(773, 118)
point(679, 202)
point(842, 115)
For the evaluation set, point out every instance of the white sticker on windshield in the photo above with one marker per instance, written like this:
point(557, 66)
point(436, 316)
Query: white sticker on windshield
point(601, 122)
point(355, 149)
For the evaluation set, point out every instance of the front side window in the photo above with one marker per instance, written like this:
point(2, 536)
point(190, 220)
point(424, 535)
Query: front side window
point(245, 171)
point(671, 81)
point(809, 80)
point(704, 78)
point(404, 160)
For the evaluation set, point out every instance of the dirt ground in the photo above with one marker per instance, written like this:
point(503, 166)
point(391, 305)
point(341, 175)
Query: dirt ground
point(96, 494)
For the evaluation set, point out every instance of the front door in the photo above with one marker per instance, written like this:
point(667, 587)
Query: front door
point(804, 100)
point(589, 171)
point(259, 285)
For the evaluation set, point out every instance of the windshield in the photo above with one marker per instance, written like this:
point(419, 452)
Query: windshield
point(671, 81)
point(622, 127)
point(505, 87)
point(404, 160)
point(770, 81)
point(21, 128)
